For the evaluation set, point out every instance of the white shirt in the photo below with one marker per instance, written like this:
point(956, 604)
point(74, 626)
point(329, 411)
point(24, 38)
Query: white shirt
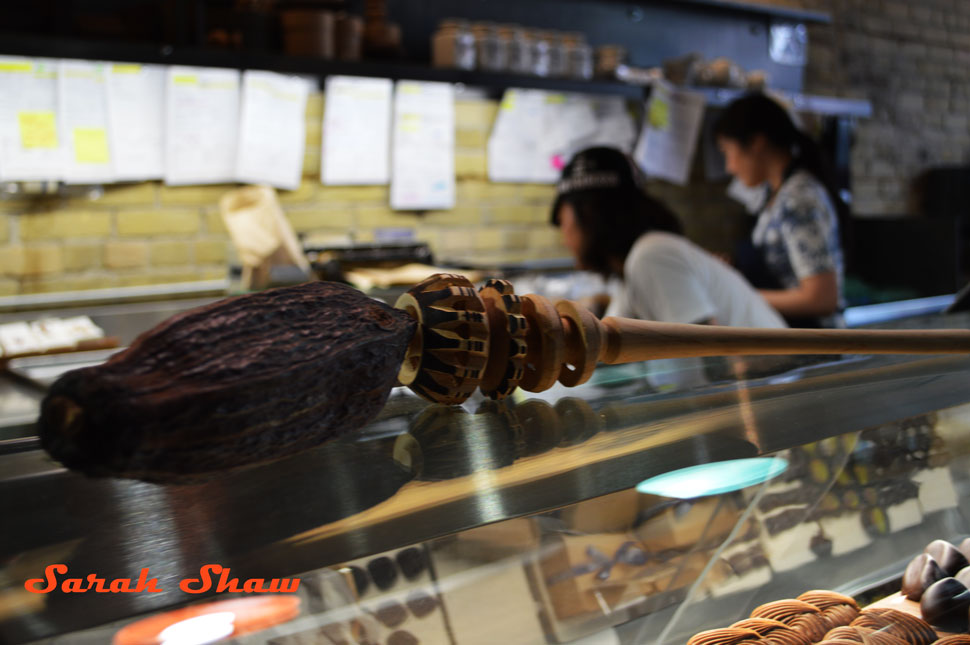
point(670, 279)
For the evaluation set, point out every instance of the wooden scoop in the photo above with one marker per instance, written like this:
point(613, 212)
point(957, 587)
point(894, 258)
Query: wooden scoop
point(498, 341)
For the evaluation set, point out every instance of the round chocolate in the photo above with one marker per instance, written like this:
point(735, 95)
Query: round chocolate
point(963, 575)
point(361, 580)
point(921, 572)
point(965, 548)
point(837, 609)
point(420, 603)
point(402, 637)
point(382, 572)
point(947, 556)
point(411, 561)
point(945, 605)
point(391, 614)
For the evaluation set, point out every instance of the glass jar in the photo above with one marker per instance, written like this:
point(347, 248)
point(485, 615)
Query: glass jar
point(540, 53)
point(491, 48)
point(557, 55)
point(453, 45)
point(608, 58)
point(579, 57)
point(520, 50)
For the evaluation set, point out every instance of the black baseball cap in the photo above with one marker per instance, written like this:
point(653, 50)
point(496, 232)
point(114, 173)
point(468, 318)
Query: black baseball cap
point(597, 169)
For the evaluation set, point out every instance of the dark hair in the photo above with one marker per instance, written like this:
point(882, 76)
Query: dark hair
point(612, 220)
point(755, 114)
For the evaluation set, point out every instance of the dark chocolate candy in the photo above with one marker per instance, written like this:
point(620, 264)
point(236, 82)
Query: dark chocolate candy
point(391, 614)
point(947, 556)
point(401, 637)
point(383, 572)
point(361, 580)
point(420, 603)
point(965, 548)
point(945, 605)
point(412, 562)
point(234, 383)
point(963, 575)
point(922, 571)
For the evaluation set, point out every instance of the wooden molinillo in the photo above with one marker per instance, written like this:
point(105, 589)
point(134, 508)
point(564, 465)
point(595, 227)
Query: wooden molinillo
point(496, 340)
point(254, 378)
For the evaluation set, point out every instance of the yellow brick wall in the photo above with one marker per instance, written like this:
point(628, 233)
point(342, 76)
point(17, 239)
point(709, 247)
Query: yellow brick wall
point(148, 233)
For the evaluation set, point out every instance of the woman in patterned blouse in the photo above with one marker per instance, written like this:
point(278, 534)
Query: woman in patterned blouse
point(797, 237)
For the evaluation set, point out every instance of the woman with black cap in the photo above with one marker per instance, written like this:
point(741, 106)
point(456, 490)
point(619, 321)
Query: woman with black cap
point(613, 227)
point(798, 261)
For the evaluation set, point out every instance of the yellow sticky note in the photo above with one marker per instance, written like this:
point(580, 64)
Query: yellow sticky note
point(659, 116)
point(508, 101)
point(125, 68)
point(90, 145)
point(37, 129)
point(554, 99)
point(17, 66)
point(185, 79)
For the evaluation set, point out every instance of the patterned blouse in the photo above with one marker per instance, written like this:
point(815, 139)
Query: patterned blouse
point(798, 236)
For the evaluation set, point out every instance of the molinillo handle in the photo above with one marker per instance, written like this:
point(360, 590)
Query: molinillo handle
point(498, 341)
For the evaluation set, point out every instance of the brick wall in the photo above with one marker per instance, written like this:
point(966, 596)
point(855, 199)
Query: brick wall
point(148, 233)
point(910, 59)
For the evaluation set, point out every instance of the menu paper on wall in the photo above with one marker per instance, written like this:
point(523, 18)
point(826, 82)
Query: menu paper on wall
point(272, 129)
point(423, 157)
point(536, 132)
point(30, 144)
point(201, 125)
point(83, 114)
point(668, 139)
point(136, 121)
point(356, 131)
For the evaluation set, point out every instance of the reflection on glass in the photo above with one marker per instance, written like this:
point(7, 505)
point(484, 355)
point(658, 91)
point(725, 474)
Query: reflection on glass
point(713, 479)
point(199, 630)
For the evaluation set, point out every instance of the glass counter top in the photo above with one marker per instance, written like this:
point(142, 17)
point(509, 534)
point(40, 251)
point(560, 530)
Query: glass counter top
point(420, 471)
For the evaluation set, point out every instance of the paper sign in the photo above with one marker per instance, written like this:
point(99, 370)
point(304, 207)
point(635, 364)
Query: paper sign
point(83, 114)
point(272, 129)
point(29, 138)
point(423, 157)
point(669, 137)
point(357, 131)
point(536, 133)
point(201, 125)
point(136, 104)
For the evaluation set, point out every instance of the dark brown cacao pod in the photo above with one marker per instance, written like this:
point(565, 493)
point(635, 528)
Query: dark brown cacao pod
point(238, 382)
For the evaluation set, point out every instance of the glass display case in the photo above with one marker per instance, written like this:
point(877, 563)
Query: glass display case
point(657, 500)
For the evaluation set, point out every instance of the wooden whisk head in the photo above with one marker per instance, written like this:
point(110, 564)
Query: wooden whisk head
point(493, 339)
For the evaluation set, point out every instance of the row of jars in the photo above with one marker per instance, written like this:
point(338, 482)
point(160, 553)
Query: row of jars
point(512, 48)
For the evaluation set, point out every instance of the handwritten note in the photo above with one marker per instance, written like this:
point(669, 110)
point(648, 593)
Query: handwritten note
point(357, 131)
point(83, 112)
point(423, 157)
point(669, 137)
point(272, 129)
point(29, 138)
point(136, 105)
point(201, 125)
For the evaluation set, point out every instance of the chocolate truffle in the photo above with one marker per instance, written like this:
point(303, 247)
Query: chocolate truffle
point(837, 609)
point(947, 556)
point(401, 637)
point(411, 561)
point(922, 571)
point(361, 580)
point(420, 603)
point(391, 614)
point(798, 615)
point(909, 628)
point(862, 635)
point(945, 605)
point(382, 572)
point(724, 636)
point(776, 632)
